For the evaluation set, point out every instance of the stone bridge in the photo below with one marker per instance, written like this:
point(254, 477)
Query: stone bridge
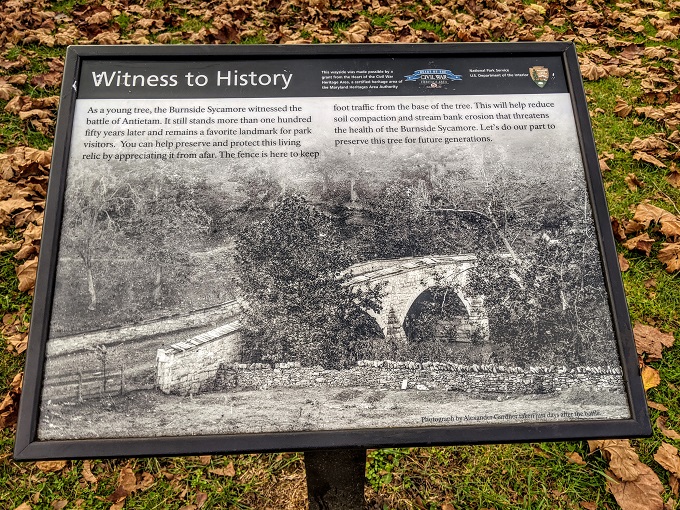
point(404, 280)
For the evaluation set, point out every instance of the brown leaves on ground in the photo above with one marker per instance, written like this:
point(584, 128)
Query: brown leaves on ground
point(642, 243)
point(669, 254)
point(650, 341)
point(667, 457)
point(50, 466)
point(39, 112)
point(23, 190)
point(648, 216)
point(643, 493)
point(634, 485)
point(228, 471)
point(129, 482)
point(87, 473)
point(9, 408)
point(15, 331)
point(668, 432)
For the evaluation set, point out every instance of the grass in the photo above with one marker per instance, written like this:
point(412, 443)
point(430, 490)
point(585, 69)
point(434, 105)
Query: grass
point(259, 38)
point(429, 26)
point(490, 476)
point(379, 21)
point(67, 6)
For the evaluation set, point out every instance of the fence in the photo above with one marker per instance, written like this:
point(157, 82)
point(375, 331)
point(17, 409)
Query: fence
point(84, 385)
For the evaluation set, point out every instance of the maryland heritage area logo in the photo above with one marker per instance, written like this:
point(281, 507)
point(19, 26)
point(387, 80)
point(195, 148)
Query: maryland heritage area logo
point(540, 75)
point(433, 78)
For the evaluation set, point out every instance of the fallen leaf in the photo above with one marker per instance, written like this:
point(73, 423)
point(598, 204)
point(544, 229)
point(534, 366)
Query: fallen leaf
point(655, 52)
point(87, 472)
point(589, 505)
point(667, 456)
point(50, 466)
point(650, 143)
point(671, 228)
point(26, 273)
point(669, 505)
point(668, 432)
point(623, 263)
point(673, 179)
point(17, 343)
point(621, 456)
point(9, 407)
point(657, 406)
point(650, 377)
point(23, 506)
point(575, 458)
point(642, 493)
point(201, 498)
point(227, 471)
point(51, 79)
point(59, 504)
point(646, 214)
point(641, 243)
point(146, 481)
point(674, 482)
point(7, 90)
point(651, 341)
point(127, 479)
point(669, 254)
point(633, 182)
point(617, 228)
point(622, 109)
point(204, 459)
point(127, 483)
point(648, 158)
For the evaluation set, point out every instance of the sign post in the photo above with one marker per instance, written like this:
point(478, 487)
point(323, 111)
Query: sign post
point(335, 479)
point(308, 248)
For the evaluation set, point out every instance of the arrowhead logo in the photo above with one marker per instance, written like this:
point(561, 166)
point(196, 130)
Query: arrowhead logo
point(540, 75)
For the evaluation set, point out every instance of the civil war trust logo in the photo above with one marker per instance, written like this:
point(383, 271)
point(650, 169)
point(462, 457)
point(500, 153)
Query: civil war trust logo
point(540, 75)
point(433, 78)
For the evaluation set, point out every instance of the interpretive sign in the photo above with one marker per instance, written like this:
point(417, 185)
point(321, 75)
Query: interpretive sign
point(279, 248)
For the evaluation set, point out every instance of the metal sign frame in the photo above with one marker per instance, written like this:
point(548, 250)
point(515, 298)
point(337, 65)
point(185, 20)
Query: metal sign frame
point(28, 446)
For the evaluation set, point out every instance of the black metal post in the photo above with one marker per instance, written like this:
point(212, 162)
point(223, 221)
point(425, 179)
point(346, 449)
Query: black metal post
point(335, 479)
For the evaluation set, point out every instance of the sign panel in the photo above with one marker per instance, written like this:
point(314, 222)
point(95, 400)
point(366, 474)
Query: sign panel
point(274, 248)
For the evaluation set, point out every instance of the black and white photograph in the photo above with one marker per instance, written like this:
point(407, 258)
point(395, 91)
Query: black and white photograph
point(264, 265)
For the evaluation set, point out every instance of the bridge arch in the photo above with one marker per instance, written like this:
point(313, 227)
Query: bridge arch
point(404, 280)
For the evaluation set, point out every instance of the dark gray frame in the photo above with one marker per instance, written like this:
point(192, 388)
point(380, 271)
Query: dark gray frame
point(27, 447)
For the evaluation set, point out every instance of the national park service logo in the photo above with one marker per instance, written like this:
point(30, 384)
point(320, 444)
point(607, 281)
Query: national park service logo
point(540, 75)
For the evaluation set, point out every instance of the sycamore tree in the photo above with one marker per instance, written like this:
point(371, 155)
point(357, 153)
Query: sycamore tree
point(291, 271)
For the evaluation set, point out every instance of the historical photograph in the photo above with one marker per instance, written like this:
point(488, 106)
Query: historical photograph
point(393, 283)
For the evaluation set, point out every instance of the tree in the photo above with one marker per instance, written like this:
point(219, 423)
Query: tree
point(291, 267)
point(167, 219)
point(92, 207)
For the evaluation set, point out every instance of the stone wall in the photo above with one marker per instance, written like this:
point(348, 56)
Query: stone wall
point(194, 369)
point(388, 375)
point(208, 362)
